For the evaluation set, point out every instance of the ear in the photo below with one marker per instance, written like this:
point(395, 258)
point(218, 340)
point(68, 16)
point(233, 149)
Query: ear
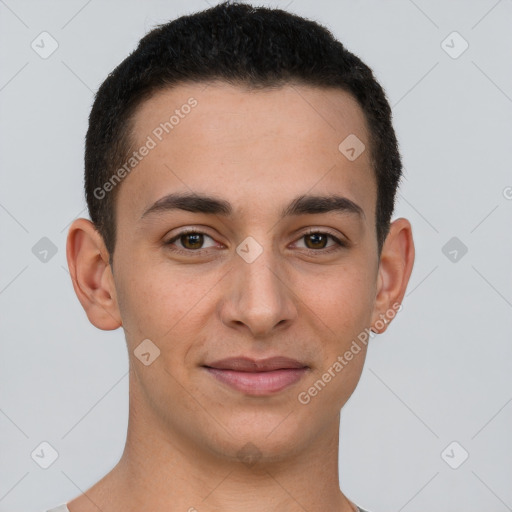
point(88, 262)
point(395, 267)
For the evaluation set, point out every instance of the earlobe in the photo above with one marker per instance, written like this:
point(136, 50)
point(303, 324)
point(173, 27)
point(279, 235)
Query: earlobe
point(395, 268)
point(91, 275)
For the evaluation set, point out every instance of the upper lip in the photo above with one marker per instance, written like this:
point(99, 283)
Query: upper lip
point(246, 364)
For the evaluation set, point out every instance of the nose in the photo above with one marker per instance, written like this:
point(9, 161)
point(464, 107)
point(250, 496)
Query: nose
point(260, 297)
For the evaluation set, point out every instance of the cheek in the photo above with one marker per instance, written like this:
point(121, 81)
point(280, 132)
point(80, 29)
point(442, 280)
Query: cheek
point(158, 302)
point(340, 308)
point(341, 299)
point(141, 297)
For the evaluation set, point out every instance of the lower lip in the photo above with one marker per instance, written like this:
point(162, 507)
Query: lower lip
point(259, 383)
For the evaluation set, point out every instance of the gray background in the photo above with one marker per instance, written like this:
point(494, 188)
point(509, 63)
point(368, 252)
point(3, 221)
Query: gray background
point(442, 371)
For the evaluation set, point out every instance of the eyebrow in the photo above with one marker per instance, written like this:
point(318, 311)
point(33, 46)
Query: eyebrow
point(305, 204)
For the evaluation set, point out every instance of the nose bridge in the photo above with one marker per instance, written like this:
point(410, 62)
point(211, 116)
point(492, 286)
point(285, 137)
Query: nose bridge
point(261, 300)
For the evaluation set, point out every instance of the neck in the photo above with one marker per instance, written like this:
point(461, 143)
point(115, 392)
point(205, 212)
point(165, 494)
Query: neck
point(162, 469)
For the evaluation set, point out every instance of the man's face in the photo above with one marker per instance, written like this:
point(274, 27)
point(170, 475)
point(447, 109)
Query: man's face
point(214, 294)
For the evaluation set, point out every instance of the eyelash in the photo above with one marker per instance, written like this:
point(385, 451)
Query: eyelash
point(339, 243)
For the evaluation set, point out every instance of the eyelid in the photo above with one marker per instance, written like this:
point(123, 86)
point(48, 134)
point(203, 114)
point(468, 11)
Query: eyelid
point(340, 242)
point(187, 231)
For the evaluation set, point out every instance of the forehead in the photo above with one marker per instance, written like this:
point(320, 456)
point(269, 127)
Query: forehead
point(250, 144)
point(221, 110)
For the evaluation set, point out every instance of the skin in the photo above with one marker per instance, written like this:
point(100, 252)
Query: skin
point(258, 150)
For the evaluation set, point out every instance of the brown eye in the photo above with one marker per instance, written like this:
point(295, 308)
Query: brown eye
point(317, 240)
point(192, 240)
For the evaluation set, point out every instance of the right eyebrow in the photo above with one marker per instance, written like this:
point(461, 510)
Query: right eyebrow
point(195, 203)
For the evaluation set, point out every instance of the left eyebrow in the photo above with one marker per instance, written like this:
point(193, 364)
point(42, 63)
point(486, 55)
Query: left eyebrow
point(309, 204)
point(302, 205)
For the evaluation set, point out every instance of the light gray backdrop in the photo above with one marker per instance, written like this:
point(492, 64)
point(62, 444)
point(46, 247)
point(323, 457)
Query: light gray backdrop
point(429, 426)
